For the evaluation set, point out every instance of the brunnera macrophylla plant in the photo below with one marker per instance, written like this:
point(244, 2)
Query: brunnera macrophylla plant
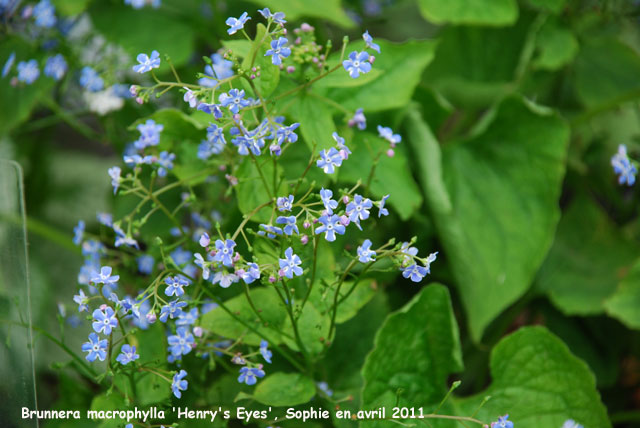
point(268, 288)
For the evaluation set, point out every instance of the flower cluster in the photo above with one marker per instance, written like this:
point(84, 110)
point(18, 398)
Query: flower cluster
point(189, 269)
point(624, 167)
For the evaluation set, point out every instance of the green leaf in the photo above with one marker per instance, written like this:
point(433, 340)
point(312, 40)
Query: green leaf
point(557, 47)
point(476, 66)
point(104, 402)
point(415, 350)
point(313, 328)
point(144, 30)
point(400, 67)
point(271, 310)
point(284, 389)
point(391, 176)
point(535, 378)
point(624, 303)
point(539, 382)
point(494, 200)
point(554, 6)
point(362, 293)
point(269, 73)
point(473, 12)
point(330, 10)
point(251, 190)
point(70, 7)
point(316, 122)
point(607, 71)
point(588, 259)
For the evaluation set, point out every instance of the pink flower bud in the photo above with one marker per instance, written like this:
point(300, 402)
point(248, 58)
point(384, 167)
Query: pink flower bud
point(197, 331)
point(306, 224)
point(371, 59)
point(103, 306)
point(291, 69)
point(253, 76)
point(304, 239)
point(344, 220)
point(133, 90)
point(240, 272)
point(390, 153)
point(236, 257)
point(345, 199)
point(151, 317)
point(298, 41)
point(306, 27)
point(272, 279)
point(280, 273)
point(140, 100)
point(254, 69)
point(233, 181)
point(222, 167)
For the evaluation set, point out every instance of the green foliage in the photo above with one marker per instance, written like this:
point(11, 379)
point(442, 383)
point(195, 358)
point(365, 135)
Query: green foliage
point(284, 389)
point(624, 303)
point(330, 10)
point(478, 12)
point(496, 230)
point(530, 370)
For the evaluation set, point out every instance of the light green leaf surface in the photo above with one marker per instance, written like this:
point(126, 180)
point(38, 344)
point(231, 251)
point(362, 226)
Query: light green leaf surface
point(494, 200)
point(472, 12)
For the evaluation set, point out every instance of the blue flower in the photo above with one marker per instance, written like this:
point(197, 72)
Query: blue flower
point(204, 240)
point(570, 423)
point(95, 347)
point(290, 224)
point(55, 67)
point(165, 162)
point(127, 355)
point(28, 71)
point(290, 265)
point(284, 203)
point(381, 209)
point(78, 232)
point(224, 251)
point(329, 204)
point(45, 14)
point(358, 209)
point(286, 133)
point(82, 300)
point(368, 40)
point(172, 310)
point(149, 134)
point(502, 422)
point(190, 97)
point(344, 150)
point(175, 285)
point(237, 24)
point(329, 160)
point(104, 321)
point(8, 65)
point(330, 226)
point(324, 387)
point(179, 384)
point(225, 279)
point(180, 343)
point(123, 239)
point(277, 17)
point(266, 354)
point(251, 274)
point(213, 109)
point(202, 264)
point(623, 166)
point(365, 253)
point(387, 134)
point(139, 4)
point(357, 63)
point(145, 264)
point(147, 63)
point(278, 51)
point(180, 256)
point(215, 134)
point(207, 148)
point(188, 318)
point(105, 219)
point(249, 375)
point(114, 173)
point(234, 100)
point(220, 68)
point(105, 277)
point(90, 80)
point(269, 230)
point(415, 272)
point(359, 120)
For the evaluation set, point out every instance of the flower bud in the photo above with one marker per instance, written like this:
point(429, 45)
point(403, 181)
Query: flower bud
point(197, 331)
point(344, 220)
point(133, 90)
point(304, 239)
point(345, 199)
point(151, 317)
point(371, 59)
point(272, 279)
point(306, 224)
point(390, 153)
point(291, 69)
point(140, 100)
